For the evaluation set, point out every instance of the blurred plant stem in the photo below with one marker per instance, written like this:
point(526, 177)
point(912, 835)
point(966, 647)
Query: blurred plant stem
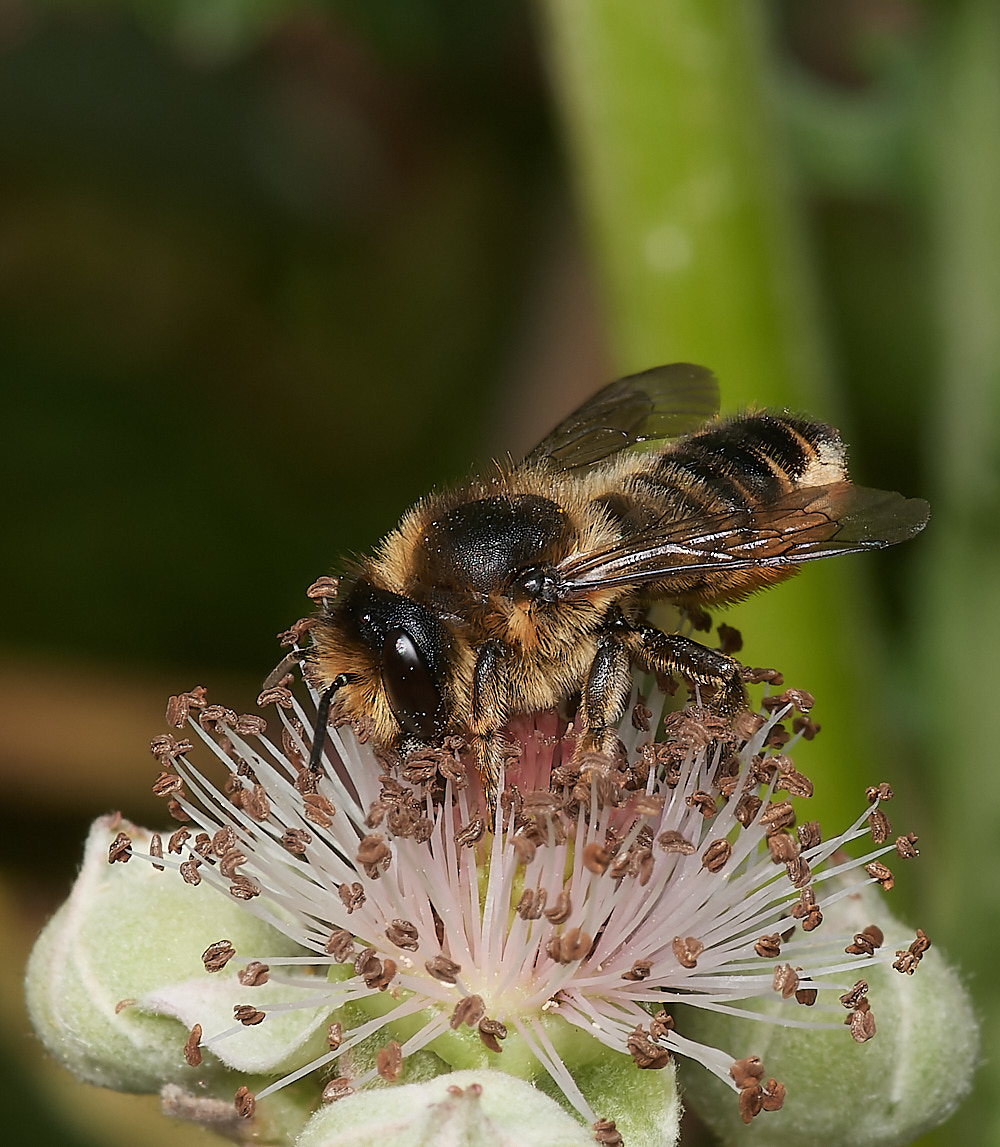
point(698, 250)
point(960, 589)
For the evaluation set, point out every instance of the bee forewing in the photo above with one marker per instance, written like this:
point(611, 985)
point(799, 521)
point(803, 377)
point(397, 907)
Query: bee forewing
point(806, 524)
point(655, 405)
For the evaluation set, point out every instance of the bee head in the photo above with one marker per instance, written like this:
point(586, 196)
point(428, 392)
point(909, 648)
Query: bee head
point(396, 650)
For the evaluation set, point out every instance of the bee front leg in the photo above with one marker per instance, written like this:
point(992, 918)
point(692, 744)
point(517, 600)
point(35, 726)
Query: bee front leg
point(667, 653)
point(490, 709)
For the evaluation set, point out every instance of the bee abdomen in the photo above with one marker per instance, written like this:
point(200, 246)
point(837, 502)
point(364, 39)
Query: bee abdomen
point(743, 463)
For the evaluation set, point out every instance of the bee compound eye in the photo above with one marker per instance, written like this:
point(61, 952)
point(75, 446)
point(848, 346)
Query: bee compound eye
point(409, 688)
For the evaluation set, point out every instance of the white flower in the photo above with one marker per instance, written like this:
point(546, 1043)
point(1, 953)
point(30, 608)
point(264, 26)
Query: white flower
point(372, 929)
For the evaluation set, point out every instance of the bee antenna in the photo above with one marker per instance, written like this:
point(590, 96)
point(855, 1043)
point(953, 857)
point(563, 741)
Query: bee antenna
point(322, 713)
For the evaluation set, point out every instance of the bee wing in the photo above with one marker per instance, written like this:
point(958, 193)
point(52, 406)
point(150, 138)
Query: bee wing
point(808, 523)
point(661, 403)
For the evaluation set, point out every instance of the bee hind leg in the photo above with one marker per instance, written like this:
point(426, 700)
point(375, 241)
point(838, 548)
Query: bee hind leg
point(668, 653)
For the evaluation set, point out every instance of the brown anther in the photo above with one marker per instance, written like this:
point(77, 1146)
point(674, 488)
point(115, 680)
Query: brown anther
point(352, 896)
point(809, 834)
point(661, 1025)
point(177, 840)
point(778, 815)
point(879, 825)
point(806, 910)
point(491, 1032)
point(906, 846)
point(203, 847)
point(778, 737)
point(189, 871)
point(339, 1088)
point(254, 974)
point(607, 1134)
point(316, 808)
point(471, 833)
point(567, 947)
point(166, 784)
point(880, 874)
point(768, 947)
point(340, 945)
point(782, 847)
point(192, 1048)
point(469, 1010)
point(248, 1015)
point(596, 858)
point(216, 956)
point(156, 849)
point(334, 1035)
point(389, 1061)
point(639, 971)
point(373, 852)
point(178, 707)
point(704, 802)
point(282, 697)
point(756, 675)
point(224, 841)
point(645, 1052)
point(730, 639)
point(805, 727)
point(785, 981)
point(673, 841)
point(911, 957)
point(717, 855)
point(230, 862)
point(525, 849)
point(242, 887)
point(806, 996)
point(747, 1072)
point(862, 1023)
point(250, 725)
point(559, 912)
point(747, 724)
point(882, 792)
point(443, 969)
point(865, 943)
point(773, 1098)
point(323, 587)
point(531, 904)
point(794, 783)
point(404, 935)
point(747, 808)
point(853, 998)
point(254, 803)
point(799, 872)
point(244, 1103)
point(640, 716)
point(687, 950)
point(166, 747)
point(175, 810)
point(120, 850)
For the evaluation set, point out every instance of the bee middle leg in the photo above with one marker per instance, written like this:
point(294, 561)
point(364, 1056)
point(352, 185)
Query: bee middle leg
point(609, 680)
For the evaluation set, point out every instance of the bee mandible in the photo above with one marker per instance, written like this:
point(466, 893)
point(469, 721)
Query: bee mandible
point(530, 587)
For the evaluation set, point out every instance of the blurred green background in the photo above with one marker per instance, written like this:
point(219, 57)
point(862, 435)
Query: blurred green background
point(271, 269)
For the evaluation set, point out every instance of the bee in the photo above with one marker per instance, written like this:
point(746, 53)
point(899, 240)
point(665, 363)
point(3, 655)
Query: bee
point(530, 587)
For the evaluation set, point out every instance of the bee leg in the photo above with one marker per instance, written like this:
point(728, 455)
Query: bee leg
point(599, 751)
point(604, 697)
point(489, 712)
point(665, 653)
